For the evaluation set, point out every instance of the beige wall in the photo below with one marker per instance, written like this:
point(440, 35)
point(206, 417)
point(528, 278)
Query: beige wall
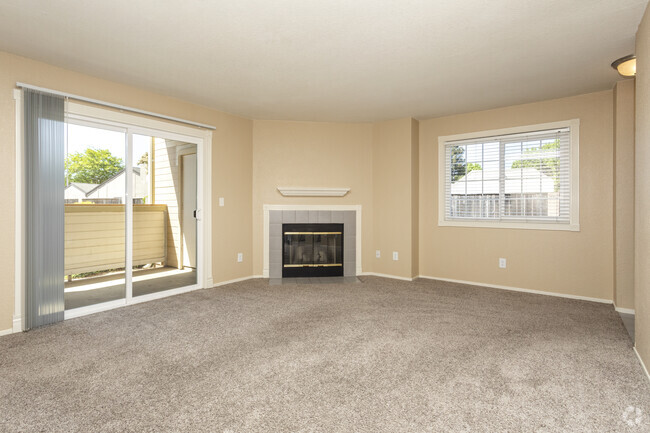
point(576, 263)
point(232, 179)
point(391, 168)
point(312, 154)
point(395, 228)
point(624, 194)
point(231, 174)
point(642, 193)
point(377, 161)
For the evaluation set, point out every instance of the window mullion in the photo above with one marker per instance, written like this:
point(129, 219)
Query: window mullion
point(483, 201)
point(502, 179)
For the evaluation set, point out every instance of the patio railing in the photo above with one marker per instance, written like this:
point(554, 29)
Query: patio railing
point(95, 236)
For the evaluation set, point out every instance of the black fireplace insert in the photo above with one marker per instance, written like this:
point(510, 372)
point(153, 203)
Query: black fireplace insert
point(312, 250)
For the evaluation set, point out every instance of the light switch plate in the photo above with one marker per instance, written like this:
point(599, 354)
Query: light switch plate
point(502, 263)
point(240, 257)
point(378, 254)
point(221, 201)
point(395, 255)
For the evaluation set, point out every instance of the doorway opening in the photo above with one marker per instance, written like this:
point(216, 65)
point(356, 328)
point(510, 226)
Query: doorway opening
point(161, 179)
point(128, 183)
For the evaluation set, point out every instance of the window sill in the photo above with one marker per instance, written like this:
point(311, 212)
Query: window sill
point(510, 225)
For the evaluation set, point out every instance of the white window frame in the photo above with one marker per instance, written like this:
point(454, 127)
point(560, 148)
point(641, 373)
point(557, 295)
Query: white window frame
point(574, 164)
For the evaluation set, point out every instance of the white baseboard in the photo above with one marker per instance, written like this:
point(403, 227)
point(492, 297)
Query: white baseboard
point(6, 332)
point(624, 310)
point(376, 274)
point(18, 324)
point(519, 289)
point(642, 364)
point(236, 280)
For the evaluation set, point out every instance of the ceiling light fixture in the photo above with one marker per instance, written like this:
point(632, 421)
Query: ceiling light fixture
point(626, 66)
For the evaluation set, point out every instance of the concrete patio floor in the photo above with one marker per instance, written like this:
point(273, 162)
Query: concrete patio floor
point(91, 291)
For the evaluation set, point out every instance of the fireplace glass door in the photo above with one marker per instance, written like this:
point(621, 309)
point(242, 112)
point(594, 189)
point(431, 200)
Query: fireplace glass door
point(312, 250)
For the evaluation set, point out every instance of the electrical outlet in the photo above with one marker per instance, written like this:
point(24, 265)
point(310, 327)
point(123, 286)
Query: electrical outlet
point(395, 255)
point(378, 254)
point(221, 201)
point(240, 257)
point(502, 263)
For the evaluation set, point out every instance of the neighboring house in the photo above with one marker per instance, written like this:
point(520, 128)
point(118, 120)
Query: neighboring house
point(111, 191)
point(517, 181)
point(527, 192)
point(77, 191)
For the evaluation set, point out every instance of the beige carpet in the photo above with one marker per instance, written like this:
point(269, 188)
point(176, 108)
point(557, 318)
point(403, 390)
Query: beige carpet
point(381, 356)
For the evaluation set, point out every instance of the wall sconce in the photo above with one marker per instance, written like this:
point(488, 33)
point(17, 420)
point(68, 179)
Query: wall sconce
point(626, 66)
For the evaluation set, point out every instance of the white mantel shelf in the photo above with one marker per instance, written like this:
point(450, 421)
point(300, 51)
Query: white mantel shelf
point(313, 192)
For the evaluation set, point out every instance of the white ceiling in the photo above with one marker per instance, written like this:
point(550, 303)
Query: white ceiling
point(338, 60)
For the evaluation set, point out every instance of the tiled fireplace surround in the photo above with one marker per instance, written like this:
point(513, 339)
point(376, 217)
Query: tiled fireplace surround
point(277, 217)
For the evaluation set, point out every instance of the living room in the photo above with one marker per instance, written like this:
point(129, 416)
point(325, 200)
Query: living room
point(439, 306)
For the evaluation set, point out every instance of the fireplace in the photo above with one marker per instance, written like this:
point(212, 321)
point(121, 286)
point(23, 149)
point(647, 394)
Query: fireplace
point(312, 250)
point(276, 216)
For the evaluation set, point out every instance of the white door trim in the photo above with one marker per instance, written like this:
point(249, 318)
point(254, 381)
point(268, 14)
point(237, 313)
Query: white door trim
point(18, 323)
point(128, 217)
point(186, 254)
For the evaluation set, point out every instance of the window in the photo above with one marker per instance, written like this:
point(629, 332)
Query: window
point(524, 177)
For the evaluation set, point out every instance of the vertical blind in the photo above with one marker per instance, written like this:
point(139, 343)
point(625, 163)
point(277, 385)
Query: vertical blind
point(517, 177)
point(44, 191)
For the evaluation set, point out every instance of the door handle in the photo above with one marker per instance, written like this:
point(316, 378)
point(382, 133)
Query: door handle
point(196, 214)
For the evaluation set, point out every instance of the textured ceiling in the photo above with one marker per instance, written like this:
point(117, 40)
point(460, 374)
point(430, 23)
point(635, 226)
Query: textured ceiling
point(337, 60)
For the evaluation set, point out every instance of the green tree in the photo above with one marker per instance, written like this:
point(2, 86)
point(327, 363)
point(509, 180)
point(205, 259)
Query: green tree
point(459, 167)
point(548, 165)
point(144, 159)
point(457, 163)
point(92, 166)
point(471, 166)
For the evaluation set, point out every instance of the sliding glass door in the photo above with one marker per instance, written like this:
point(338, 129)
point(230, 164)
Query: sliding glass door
point(130, 215)
point(164, 214)
point(95, 215)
